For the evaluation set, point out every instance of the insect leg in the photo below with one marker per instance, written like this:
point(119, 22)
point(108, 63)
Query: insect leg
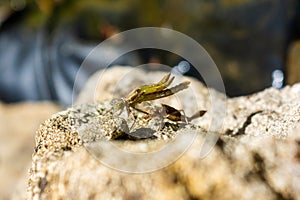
point(166, 81)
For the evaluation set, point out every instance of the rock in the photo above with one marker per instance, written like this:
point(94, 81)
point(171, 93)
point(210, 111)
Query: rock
point(257, 154)
point(18, 123)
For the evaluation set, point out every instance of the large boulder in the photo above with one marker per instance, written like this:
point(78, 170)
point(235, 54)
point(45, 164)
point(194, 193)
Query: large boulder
point(256, 155)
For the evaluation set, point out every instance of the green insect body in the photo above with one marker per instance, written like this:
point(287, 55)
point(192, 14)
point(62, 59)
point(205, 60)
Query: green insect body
point(155, 91)
point(148, 93)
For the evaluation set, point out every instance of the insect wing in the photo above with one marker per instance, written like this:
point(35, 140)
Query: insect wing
point(172, 113)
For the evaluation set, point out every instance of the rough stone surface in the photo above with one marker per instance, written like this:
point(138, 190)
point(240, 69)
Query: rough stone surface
point(256, 157)
point(18, 123)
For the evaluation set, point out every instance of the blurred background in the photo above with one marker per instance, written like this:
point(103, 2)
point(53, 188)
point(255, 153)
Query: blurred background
point(254, 43)
point(43, 42)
